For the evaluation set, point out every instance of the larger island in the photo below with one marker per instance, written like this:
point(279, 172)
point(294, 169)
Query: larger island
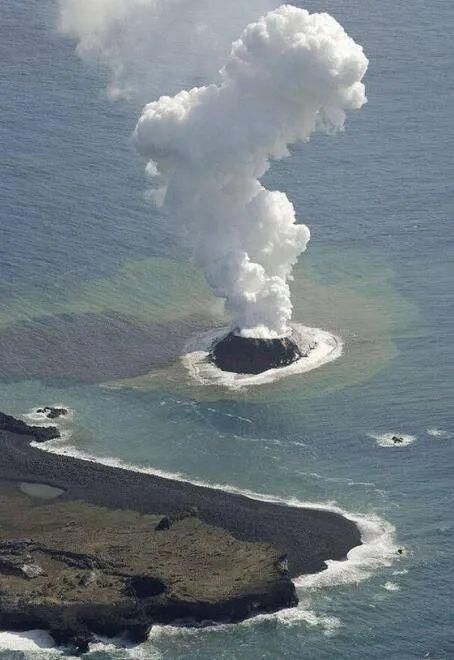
point(87, 548)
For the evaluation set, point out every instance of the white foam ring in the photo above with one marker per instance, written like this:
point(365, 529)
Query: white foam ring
point(326, 348)
point(41, 418)
point(378, 548)
point(387, 439)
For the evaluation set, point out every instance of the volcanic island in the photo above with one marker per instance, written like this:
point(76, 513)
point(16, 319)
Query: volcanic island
point(90, 549)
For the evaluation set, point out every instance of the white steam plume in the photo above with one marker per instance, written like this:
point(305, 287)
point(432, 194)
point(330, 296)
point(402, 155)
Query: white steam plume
point(291, 73)
point(154, 47)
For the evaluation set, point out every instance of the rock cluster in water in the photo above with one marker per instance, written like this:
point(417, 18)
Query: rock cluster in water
point(252, 355)
point(39, 433)
point(51, 412)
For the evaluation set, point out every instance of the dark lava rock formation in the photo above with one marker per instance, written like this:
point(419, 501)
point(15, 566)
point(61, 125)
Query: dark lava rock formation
point(250, 355)
point(51, 412)
point(120, 550)
point(39, 433)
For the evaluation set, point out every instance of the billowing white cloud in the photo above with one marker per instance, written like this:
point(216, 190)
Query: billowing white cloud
point(290, 74)
point(154, 47)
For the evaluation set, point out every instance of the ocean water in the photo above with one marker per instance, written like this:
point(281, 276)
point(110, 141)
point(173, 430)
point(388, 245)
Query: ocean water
point(97, 303)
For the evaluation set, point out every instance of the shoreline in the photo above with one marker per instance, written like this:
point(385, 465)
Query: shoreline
point(311, 535)
point(175, 536)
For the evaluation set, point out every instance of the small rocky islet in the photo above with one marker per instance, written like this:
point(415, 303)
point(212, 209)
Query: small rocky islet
point(52, 412)
point(118, 551)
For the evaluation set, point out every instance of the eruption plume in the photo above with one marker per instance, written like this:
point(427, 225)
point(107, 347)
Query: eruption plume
point(290, 74)
point(154, 47)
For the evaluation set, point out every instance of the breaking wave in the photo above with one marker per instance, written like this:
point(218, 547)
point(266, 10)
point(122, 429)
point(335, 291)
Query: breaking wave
point(287, 617)
point(439, 433)
point(38, 642)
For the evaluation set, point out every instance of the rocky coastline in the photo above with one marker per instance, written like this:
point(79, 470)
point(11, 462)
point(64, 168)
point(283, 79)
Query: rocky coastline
point(117, 550)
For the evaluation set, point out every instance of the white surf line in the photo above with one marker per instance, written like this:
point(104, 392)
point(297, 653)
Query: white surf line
point(327, 348)
point(303, 612)
point(378, 548)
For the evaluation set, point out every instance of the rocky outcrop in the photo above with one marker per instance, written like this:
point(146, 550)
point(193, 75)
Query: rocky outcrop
point(51, 412)
point(87, 569)
point(39, 433)
point(250, 355)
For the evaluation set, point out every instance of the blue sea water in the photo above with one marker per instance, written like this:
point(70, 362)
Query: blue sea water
point(92, 286)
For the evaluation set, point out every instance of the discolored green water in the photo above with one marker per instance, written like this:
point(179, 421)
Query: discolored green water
point(97, 304)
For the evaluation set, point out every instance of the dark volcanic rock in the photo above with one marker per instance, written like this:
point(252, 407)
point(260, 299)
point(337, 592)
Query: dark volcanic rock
point(250, 355)
point(79, 639)
point(40, 433)
point(51, 412)
point(166, 522)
